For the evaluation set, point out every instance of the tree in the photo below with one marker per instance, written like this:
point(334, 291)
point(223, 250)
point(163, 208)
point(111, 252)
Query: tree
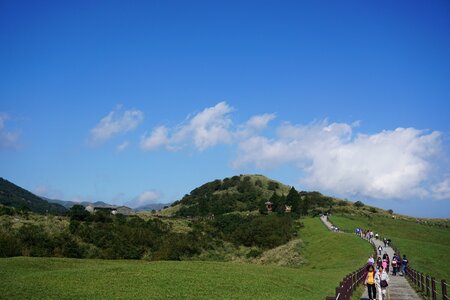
point(358, 204)
point(78, 213)
point(293, 199)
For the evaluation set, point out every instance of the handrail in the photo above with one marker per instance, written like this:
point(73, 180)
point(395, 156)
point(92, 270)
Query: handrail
point(426, 284)
point(349, 283)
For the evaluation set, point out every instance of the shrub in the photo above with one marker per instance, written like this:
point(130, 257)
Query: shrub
point(358, 204)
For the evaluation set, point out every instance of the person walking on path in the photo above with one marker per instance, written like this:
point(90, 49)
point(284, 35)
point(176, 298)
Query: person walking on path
point(394, 265)
point(404, 264)
point(370, 282)
point(381, 284)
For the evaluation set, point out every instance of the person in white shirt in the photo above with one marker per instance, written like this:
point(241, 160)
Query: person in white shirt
point(381, 283)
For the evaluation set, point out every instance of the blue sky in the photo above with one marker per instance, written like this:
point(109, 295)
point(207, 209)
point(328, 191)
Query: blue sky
point(141, 101)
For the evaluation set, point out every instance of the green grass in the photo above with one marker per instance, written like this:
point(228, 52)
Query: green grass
point(326, 255)
point(427, 247)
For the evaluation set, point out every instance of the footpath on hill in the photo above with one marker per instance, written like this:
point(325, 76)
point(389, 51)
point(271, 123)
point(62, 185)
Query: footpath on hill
point(399, 288)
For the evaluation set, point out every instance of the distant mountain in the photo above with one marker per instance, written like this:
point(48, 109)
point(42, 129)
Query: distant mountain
point(69, 204)
point(66, 204)
point(15, 196)
point(149, 207)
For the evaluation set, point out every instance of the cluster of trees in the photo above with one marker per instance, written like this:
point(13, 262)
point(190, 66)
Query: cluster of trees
point(102, 235)
point(301, 203)
point(241, 193)
point(265, 232)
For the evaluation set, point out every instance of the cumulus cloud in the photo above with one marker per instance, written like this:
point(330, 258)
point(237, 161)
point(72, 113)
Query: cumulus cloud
point(146, 197)
point(158, 137)
point(205, 129)
point(115, 122)
point(331, 157)
point(389, 164)
point(8, 139)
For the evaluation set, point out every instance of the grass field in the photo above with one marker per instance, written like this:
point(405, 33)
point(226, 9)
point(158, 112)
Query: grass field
point(326, 255)
point(427, 247)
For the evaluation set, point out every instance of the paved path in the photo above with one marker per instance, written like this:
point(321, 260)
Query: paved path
point(399, 288)
point(327, 223)
point(324, 219)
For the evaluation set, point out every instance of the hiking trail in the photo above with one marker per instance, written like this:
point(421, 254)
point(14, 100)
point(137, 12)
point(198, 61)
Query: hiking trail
point(399, 288)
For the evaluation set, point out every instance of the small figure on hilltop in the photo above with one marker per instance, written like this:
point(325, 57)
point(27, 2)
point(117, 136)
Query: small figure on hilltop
point(380, 249)
point(385, 242)
point(404, 264)
point(381, 283)
point(370, 282)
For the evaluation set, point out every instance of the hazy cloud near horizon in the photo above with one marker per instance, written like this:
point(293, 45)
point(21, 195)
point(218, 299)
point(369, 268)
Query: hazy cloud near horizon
point(146, 197)
point(8, 139)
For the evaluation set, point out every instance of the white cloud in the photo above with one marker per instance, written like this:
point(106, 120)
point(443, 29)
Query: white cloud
point(121, 147)
point(114, 123)
point(259, 122)
point(146, 197)
point(206, 129)
point(389, 164)
point(158, 138)
point(8, 139)
point(329, 157)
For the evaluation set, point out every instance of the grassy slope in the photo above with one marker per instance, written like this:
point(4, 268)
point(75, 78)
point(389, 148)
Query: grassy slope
point(326, 253)
point(427, 247)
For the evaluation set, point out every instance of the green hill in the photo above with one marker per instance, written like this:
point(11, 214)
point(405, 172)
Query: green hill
point(17, 197)
point(246, 193)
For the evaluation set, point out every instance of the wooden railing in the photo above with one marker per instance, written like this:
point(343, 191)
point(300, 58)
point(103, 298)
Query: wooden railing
point(424, 283)
point(427, 285)
point(348, 284)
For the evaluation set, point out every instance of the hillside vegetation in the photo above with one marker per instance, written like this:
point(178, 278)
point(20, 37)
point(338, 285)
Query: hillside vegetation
point(326, 262)
point(248, 193)
point(15, 196)
point(427, 246)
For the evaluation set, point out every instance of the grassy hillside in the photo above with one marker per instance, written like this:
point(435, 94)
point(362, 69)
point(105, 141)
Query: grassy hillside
point(326, 262)
point(15, 196)
point(237, 193)
point(426, 246)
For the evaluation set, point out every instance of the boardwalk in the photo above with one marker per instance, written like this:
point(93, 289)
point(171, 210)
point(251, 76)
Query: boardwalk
point(399, 288)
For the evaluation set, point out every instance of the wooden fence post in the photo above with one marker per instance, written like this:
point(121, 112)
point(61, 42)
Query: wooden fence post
point(444, 289)
point(427, 286)
point(419, 280)
point(433, 288)
point(422, 282)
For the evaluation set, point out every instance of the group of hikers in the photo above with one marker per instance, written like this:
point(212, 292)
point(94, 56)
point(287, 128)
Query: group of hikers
point(377, 279)
point(366, 234)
